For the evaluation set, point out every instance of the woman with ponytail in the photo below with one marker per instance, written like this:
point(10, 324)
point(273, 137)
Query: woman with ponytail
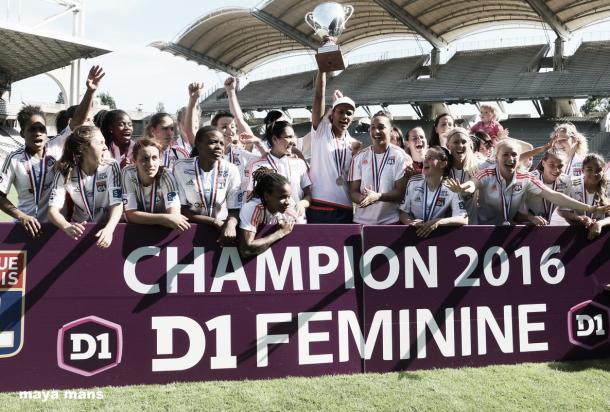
point(91, 181)
point(270, 204)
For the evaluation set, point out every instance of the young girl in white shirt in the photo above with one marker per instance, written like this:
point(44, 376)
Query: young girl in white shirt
point(377, 177)
point(92, 182)
point(428, 203)
point(592, 189)
point(150, 193)
point(209, 186)
point(271, 203)
point(281, 138)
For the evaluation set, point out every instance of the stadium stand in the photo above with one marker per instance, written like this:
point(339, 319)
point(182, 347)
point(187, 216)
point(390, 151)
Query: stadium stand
point(509, 73)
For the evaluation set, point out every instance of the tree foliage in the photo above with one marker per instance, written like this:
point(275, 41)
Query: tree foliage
point(593, 105)
point(108, 100)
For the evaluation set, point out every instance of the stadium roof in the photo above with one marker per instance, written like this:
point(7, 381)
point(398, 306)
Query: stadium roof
point(235, 40)
point(25, 53)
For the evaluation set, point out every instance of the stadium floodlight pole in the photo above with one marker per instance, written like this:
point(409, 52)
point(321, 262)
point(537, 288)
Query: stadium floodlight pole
point(78, 28)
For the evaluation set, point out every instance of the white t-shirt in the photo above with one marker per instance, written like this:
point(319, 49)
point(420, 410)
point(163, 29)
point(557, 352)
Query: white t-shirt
point(164, 191)
point(330, 159)
point(291, 167)
point(33, 178)
point(173, 153)
point(582, 195)
point(538, 206)
point(379, 171)
point(254, 214)
point(439, 203)
point(491, 210)
point(210, 193)
point(92, 195)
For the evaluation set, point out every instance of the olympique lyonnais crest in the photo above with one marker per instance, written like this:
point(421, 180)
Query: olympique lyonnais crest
point(12, 302)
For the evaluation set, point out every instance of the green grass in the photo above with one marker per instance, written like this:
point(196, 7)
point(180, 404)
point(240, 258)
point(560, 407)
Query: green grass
point(543, 386)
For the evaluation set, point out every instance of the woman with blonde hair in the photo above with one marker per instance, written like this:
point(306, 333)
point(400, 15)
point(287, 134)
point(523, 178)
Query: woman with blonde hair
point(464, 164)
point(574, 144)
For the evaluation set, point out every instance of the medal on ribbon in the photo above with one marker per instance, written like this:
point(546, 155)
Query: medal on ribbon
point(37, 183)
point(340, 157)
point(429, 211)
point(378, 170)
point(207, 202)
point(90, 209)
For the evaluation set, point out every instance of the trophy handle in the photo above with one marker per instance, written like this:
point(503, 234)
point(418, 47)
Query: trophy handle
point(309, 20)
point(349, 10)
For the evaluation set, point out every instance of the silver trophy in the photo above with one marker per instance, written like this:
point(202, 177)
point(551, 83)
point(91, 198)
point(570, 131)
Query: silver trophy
point(328, 19)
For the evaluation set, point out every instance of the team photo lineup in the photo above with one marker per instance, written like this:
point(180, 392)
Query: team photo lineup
point(226, 176)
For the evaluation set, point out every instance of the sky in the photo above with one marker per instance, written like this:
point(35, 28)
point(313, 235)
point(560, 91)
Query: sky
point(142, 76)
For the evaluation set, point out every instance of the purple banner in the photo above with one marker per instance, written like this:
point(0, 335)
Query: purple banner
point(161, 307)
point(476, 296)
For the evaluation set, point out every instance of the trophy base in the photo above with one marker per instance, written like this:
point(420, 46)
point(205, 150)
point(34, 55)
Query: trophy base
point(330, 59)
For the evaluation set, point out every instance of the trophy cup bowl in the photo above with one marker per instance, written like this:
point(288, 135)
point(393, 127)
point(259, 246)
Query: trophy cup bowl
point(328, 19)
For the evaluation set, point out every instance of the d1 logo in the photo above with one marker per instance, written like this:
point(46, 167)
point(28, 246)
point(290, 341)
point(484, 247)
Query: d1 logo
point(588, 324)
point(90, 345)
point(12, 302)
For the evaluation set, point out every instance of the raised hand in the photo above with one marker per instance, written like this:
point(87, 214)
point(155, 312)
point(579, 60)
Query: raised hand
point(453, 185)
point(195, 90)
point(230, 83)
point(96, 74)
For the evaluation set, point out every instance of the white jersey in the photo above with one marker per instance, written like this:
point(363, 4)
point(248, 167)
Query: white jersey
point(161, 195)
point(330, 161)
point(173, 153)
point(183, 143)
point(574, 166)
point(380, 172)
point(240, 157)
point(582, 195)
point(92, 195)
point(254, 214)
point(33, 178)
point(289, 166)
point(494, 191)
point(422, 203)
point(537, 205)
point(210, 193)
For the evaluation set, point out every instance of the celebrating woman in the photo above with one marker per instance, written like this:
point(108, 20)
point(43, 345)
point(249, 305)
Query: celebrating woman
point(571, 141)
point(161, 130)
point(377, 182)
point(150, 194)
point(428, 203)
point(209, 186)
point(117, 129)
point(280, 136)
point(92, 182)
point(537, 210)
point(442, 124)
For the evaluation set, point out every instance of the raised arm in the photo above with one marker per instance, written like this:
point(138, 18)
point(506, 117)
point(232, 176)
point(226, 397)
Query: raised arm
point(191, 123)
point(318, 107)
point(234, 107)
point(82, 112)
point(567, 202)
